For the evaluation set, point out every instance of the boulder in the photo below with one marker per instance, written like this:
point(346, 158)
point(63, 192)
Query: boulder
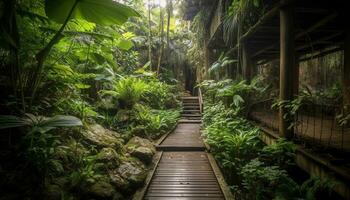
point(101, 137)
point(108, 155)
point(141, 148)
point(118, 181)
point(133, 171)
point(144, 154)
point(101, 190)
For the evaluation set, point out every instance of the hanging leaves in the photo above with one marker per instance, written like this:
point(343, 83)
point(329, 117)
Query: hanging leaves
point(103, 12)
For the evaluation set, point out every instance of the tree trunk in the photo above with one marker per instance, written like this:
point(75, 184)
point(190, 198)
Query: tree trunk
point(149, 35)
point(161, 24)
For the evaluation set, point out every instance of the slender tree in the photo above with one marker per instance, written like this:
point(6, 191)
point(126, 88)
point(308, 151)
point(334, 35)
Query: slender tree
point(169, 12)
point(161, 38)
point(149, 34)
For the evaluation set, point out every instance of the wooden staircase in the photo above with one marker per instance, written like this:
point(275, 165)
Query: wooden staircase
point(191, 112)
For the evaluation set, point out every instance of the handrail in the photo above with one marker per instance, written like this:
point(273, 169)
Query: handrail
point(200, 98)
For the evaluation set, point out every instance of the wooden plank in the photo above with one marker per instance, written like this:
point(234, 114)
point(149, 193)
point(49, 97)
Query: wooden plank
point(141, 192)
point(184, 174)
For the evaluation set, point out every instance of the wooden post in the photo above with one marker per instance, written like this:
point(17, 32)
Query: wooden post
point(346, 73)
point(246, 62)
point(287, 66)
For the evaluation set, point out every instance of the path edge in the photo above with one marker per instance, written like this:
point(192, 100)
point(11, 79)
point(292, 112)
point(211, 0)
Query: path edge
point(220, 178)
point(139, 194)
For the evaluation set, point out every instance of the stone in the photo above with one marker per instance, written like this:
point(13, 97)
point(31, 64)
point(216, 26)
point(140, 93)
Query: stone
point(144, 154)
point(118, 181)
point(141, 148)
point(108, 155)
point(101, 137)
point(133, 171)
point(102, 190)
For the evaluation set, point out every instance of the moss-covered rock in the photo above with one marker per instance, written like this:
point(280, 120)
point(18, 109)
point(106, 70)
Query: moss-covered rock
point(141, 148)
point(118, 181)
point(101, 190)
point(97, 135)
point(144, 154)
point(108, 156)
point(133, 171)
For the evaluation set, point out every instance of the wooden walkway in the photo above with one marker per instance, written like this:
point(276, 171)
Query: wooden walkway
point(185, 171)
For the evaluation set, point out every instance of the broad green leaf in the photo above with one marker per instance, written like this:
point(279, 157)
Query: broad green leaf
point(125, 44)
point(128, 35)
point(103, 12)
point(62, 69)
point(62, 121)
point(82, 86)
point(9, 121)
point(38, 123)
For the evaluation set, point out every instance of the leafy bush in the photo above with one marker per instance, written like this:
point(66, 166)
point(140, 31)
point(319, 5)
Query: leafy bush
point(263, 181)
point(152, 123)
point(281, 154)
point(128, 91)
point(255, 171)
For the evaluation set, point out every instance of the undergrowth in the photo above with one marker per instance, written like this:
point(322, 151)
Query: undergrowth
point(253, 170)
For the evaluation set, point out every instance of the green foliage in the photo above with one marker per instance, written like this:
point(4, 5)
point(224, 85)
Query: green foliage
point(281, 153)
point(152, 123)
point(38, 123)
point(128, 91)
point(86, 174)
point(255, 171)
point(104, 12)
point(263, 182)
point(222, 62)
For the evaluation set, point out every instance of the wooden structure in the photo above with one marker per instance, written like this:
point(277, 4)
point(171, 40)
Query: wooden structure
point(184, 169)
point(292, 31)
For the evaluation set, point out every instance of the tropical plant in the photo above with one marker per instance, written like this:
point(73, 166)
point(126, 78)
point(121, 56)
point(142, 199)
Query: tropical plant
point(128, 91)
point(38, 123)
point(220, 63)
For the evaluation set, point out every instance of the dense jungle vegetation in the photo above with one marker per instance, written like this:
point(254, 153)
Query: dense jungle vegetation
point(84, 96)
point(88, 87)
point(254, 170)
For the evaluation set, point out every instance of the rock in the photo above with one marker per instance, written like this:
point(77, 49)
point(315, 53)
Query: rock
point(118, 181)
point(133, 171)
point(140, 148)
point(102, 137)
point(144, 154)
point(108, 155)
point(102, 190)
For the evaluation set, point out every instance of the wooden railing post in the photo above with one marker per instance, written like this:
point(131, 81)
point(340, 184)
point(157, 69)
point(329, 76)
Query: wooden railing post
point(200, 99)
point(287, 66)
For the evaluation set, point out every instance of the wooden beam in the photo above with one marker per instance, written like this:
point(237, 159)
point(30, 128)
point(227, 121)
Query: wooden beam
point(319, 41)
point(310, 29)
point(287, 67)
point(320, 54)
point(267, 16)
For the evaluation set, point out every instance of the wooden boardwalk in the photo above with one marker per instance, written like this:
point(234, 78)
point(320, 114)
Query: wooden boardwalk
point(185, 170)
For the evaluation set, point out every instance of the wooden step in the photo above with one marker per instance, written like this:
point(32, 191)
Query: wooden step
point(193, 121)
point(185, 98)
point(184, 175)
point(191, 115)
point(179, 148)
point(190, 110)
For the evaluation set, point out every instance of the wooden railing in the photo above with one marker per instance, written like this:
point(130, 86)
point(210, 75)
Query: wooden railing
point(200, 99)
